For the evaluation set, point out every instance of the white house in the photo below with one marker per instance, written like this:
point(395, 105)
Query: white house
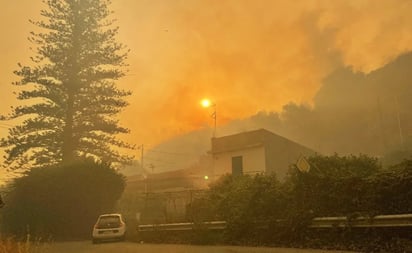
point(253, 152)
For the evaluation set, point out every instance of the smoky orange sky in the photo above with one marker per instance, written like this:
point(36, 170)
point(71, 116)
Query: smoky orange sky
point(245, 55)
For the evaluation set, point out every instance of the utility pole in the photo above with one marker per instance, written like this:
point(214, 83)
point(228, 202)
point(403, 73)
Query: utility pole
point(206, 103)
point(399, 121)
point(214, 116)
point(141, 147)
point(383, 137)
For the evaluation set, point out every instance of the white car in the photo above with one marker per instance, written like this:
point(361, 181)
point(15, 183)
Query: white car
point(109, 227)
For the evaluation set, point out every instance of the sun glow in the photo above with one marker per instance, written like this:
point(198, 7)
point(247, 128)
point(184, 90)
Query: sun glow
point(206, 103)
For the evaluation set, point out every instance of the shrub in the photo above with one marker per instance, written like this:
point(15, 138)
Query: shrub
point(62, 201)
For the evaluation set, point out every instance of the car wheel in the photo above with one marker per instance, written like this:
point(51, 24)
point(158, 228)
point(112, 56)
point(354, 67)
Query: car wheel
point(95, 241)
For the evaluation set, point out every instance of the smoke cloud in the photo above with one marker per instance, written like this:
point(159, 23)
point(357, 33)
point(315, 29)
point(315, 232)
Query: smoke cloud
point(352, 113)
point(247, 56)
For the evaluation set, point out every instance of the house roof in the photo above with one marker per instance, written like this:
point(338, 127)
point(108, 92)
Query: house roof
point(189, 178)
point(250, 139)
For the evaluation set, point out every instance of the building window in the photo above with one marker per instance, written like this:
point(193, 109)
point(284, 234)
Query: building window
point(237, 165)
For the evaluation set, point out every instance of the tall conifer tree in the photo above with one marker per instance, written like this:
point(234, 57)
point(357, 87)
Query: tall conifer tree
point(70, 97)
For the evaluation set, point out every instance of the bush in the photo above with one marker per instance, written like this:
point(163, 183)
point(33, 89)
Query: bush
point(335, 186)
point(348, 186)
point(390, 191)
point(61, 201)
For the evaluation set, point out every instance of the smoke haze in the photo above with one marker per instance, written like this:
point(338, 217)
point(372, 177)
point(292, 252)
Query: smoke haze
point(250, 56)
point(296, 64)
point(353, 113)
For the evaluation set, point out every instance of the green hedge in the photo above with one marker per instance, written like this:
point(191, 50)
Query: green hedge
point(335, 186)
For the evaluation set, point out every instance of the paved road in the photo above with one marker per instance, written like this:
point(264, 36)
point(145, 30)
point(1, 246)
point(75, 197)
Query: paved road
point(128, 247)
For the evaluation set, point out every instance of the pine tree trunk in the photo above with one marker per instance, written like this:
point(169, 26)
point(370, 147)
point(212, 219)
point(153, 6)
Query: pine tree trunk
point(68, 142)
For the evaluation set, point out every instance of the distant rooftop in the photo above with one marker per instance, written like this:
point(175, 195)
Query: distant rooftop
point(249, 139)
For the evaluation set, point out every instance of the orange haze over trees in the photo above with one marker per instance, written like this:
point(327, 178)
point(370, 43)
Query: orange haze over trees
point(247, 56)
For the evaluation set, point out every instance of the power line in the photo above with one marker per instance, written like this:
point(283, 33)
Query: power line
point(171, 153)
point(158, 160)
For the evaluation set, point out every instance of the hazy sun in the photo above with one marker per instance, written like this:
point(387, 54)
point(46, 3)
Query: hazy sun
point(205, 102)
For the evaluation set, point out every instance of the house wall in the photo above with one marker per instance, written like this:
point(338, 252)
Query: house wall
point(253, 161)
point(282, 154)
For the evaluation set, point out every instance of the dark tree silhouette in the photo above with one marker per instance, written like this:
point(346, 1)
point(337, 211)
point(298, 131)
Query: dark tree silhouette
point(45, 201)
point(71, 100)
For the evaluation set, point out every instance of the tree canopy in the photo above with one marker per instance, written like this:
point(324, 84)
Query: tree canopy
point(69, 95)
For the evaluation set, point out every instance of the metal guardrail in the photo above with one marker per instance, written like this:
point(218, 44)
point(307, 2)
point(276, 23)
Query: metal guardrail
point(398, 220)
point(380, 221)
point(212, 225)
